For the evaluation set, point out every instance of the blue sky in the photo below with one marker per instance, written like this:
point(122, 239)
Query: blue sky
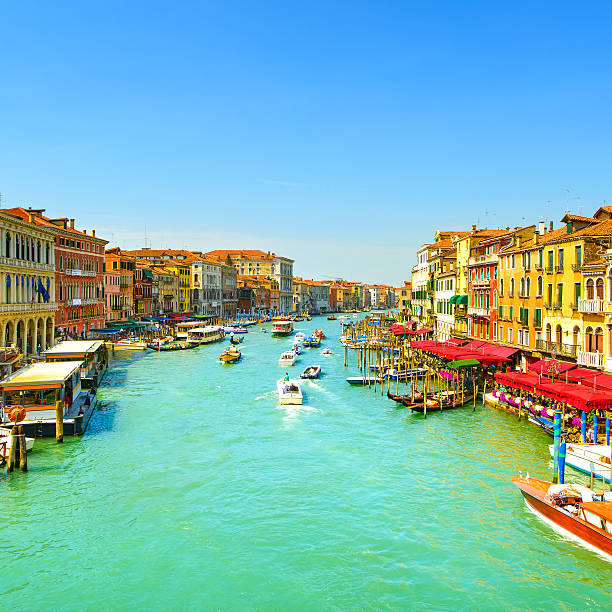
point(341, 134)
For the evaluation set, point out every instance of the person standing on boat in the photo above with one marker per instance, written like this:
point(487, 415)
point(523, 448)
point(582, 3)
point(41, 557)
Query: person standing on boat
point(286, 375)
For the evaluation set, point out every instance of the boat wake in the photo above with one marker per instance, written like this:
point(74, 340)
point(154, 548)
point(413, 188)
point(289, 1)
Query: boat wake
point(267, 395)
point(293, 411)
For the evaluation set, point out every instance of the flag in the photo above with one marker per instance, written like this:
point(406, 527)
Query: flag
point(41, 289)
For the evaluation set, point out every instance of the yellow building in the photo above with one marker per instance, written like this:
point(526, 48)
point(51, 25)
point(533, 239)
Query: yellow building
point(27, 284)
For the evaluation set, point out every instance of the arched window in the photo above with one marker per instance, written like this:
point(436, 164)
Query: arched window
point(8, 289)
point(599, 289)
point(512, 287)
point(495, 300)
point(17, 248)
point(522, 285)
point(8, 244)
point(47, 253)
point(589, 340)
point(558, 335)
point(540, 286)
point(590, 289)
point(598, 340)
point(576, 336)
point(528, 287)
point(548, 332)
point(38, 252)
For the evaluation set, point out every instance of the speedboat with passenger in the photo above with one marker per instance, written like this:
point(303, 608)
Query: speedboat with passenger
point(287, 358)
point(289, 391)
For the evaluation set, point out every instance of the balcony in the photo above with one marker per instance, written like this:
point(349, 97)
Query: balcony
point(32, 265)
point(590, 306)
point(524, 321)
point(556, 348)
point(539, 267)
point(483, 259)
point(549, 269)
point(474, 311)
point(576, 267)
point(559, 269)
point(481, 282)
point(29, 307)
point(81, 302)
point(590, 360)
point(77, 272)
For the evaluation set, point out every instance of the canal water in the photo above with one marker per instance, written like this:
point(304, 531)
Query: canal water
point(193, 489)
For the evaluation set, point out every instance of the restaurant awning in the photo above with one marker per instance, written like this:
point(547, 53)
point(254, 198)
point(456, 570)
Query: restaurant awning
point(423, 330)
point(464, 363)
point(576, 395)
point(518, 380)
point(581, 375)
point(548, 367)
point(456, 342)
point(453, 299)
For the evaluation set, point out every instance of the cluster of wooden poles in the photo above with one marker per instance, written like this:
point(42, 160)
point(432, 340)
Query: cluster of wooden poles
point(375, 345)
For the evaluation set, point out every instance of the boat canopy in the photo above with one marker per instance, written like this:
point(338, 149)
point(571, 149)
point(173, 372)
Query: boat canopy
point(54, 373)
point(74, 347)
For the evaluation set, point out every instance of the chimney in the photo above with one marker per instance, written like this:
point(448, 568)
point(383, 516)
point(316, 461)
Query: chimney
point(30, 217)
point(550, 228)
point(474, 227)
point(71, 223)
point(536, 238)
point(93, 233)
point(518, 242)
point(542, 227)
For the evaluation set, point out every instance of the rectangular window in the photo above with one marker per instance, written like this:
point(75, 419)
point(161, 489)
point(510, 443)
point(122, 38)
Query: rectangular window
point(550, 259)
point(520, 336)
point(578, 255)
point(500, 312)
point(526, 337)
point(577, 292)
point(561, 258)
point(550, 293)
point(510, 334)
point(510, 312)
point(512, 260)
point(501, 333)
point(559, 294)
point(494, 331)
point(537, 317)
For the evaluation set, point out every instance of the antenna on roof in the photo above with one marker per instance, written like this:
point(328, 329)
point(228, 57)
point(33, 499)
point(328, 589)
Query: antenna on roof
point(145, 244)
point(0, 200)
point(579, 205)
point(567, 191)
point(547, 205)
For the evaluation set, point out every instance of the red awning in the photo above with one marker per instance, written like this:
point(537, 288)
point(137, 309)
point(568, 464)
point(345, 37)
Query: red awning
point(576, 395)
point(456, 341)
point(488, 349)
point(548, 366)
point(518, 380)
point(582, 375)
point(602, 381)
point(424, 345)
point(424, 330)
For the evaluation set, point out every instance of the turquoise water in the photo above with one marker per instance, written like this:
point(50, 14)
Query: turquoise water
point(194, 490)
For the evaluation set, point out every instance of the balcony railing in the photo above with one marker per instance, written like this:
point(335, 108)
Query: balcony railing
point(481, 259)
point(474, 311)
point(29, 307)
point(549, 269)
point(559, 268)
point(22, 263)
point(77, 272)
point(81, 302)
point(481, 282)
point(576, 267)
point(591, 360)
point(567, 350)
point(524, 321)
point(538, 267)
point(590, 306)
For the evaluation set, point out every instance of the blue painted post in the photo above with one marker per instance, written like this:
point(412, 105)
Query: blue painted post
point(557, 439)
point(562, 462)
point(594, 428)
point(607, 431)
point(583, 428)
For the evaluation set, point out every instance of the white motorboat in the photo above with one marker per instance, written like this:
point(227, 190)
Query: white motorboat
point(300, 337)
point(588, 458)
point(237, 330)
point(128, 345)
point(6, 442)
point(287, 358)
point(282, 328)
point(311, 372)
point(289, 391)
point(326, 351)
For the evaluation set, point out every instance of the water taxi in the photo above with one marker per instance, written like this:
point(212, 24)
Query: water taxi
point(575, 511)
point(38, 387)
point(319, 334)
point(230, 355)
point(289, 392)
point(588, 458)
point(177, 346)
point(300, 337)
point(235, 330)
point(182, 329)
point(92, 353)
point(312, 341)
point(205, 335)
point(287, 358)
point(282, 328)
point(128, 345)
point(311, 372)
